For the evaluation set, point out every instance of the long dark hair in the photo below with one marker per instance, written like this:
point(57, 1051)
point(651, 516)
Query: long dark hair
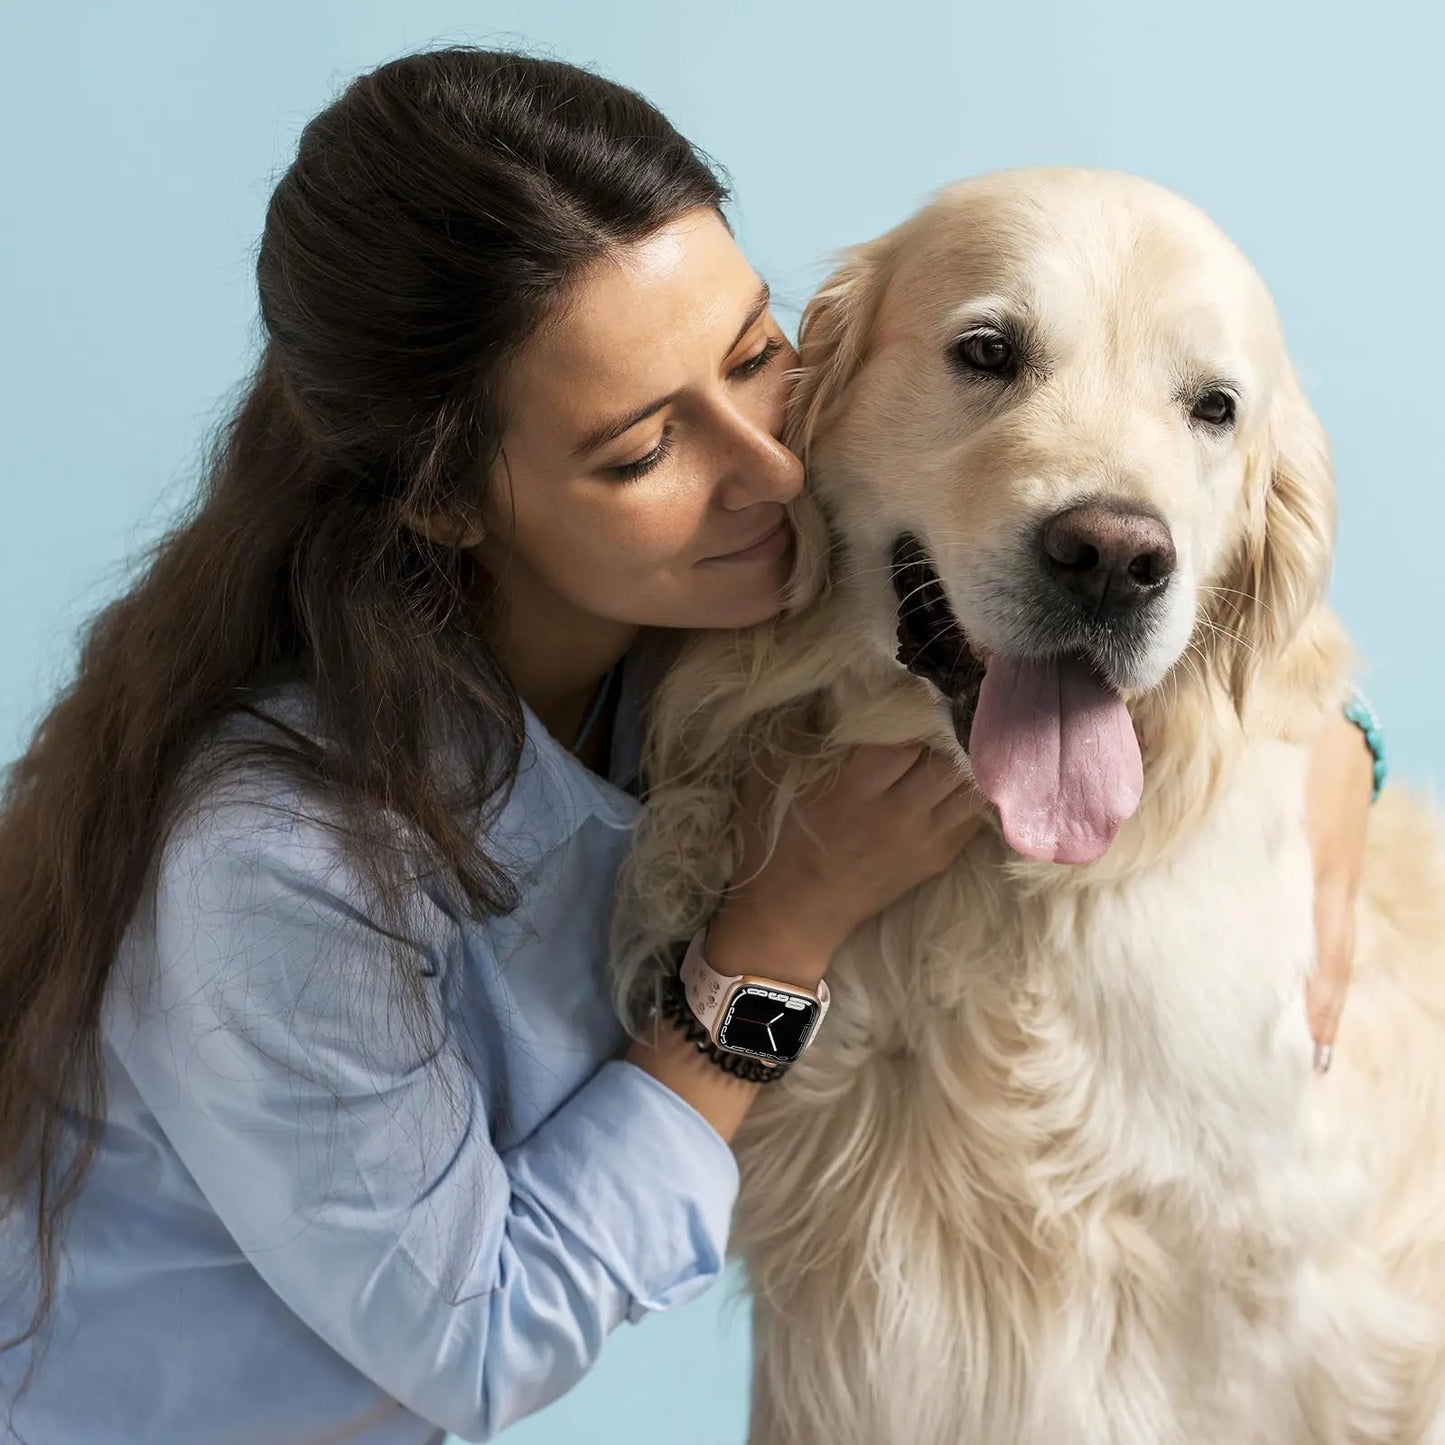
point(430, 219)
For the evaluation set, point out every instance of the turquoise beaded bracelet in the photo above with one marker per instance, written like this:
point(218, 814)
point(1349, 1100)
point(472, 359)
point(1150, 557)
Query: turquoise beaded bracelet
point(1364, 717)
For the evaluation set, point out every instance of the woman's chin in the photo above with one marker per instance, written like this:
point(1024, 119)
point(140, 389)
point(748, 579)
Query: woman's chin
point(728, 598)
point(753, 605)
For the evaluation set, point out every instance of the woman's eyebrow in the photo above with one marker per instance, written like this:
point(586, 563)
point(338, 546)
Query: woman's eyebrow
point(760, 304)
point(609, 431)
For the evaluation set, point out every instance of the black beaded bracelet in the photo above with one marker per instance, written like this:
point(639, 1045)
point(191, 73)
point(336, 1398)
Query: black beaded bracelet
point(674, 1007)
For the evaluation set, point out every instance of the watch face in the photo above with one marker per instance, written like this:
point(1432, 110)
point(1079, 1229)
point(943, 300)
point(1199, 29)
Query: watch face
point(767, 1023)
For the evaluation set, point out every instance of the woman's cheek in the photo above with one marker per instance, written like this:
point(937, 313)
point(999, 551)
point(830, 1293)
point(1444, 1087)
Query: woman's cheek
point(667, 527)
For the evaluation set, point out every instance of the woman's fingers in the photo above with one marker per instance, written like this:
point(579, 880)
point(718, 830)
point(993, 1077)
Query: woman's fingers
point(1340, 786)
point(963, 803)
point(1330, 981)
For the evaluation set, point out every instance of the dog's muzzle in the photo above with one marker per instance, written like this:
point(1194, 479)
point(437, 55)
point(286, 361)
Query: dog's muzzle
point(1047, 732)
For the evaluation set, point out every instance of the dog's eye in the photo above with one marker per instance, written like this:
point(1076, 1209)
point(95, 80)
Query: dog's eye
point(986, 351)
point(1215, 407)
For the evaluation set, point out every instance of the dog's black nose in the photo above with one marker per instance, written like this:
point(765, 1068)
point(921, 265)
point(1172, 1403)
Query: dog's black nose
point(1111, 560)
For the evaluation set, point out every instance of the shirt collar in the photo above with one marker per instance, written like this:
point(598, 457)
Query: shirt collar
point(555, 795)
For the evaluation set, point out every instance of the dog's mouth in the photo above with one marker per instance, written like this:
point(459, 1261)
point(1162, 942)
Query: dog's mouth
point(931, 643)
point(1049, 740)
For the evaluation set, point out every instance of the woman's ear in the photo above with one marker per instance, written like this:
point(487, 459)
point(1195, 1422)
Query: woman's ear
point(832, 344)
point(455, 531)
point(1282, 568)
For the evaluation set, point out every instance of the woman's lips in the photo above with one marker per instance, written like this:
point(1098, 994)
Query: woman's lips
point(768, 547)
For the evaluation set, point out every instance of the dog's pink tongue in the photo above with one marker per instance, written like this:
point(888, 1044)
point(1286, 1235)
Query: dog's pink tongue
point(1054, 750)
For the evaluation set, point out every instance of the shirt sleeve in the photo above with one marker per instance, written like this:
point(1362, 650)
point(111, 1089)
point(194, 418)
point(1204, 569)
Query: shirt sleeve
point(352, 1163)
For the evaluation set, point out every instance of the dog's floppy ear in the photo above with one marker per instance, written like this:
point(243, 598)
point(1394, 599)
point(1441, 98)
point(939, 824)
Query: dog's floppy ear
point(1282, 569)
point(833, 336)
point(832, 341)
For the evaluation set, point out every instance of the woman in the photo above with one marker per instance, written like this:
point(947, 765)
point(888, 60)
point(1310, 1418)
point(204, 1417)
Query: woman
point(306, 879)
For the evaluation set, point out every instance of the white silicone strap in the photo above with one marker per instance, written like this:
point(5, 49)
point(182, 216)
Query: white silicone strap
point(707, 990)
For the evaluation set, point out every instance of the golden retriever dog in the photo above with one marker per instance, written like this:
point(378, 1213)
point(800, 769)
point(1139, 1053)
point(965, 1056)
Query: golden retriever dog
point(1058, 1168)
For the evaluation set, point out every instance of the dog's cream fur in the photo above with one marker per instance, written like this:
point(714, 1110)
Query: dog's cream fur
point(1057, 1169)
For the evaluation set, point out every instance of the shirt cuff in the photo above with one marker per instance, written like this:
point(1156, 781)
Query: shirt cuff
point(637, 1175)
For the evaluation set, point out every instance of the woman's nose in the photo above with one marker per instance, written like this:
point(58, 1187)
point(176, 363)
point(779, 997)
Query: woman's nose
point(759, 468)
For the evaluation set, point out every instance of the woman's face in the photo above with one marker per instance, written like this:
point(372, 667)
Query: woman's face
point(641, 479)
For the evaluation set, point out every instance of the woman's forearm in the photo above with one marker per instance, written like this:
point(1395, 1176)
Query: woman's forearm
point(720, 1098)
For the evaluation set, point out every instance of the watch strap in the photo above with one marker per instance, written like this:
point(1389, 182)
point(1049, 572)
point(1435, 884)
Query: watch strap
point(707, 991)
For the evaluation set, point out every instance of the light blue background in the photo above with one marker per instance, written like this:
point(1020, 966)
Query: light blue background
point(139, 143)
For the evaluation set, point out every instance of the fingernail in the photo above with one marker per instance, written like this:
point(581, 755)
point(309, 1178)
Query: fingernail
point(1324, 1057)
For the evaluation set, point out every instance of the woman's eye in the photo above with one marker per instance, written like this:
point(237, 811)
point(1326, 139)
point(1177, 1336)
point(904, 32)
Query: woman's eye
point(626, 471)
point(987, 352)
point(1214, 407)
point(759, 360)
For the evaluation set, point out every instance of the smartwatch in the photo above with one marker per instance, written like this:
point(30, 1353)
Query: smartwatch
point(749, 1014)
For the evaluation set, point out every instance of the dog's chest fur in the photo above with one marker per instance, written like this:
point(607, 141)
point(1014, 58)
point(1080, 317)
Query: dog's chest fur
point(1050, 1166)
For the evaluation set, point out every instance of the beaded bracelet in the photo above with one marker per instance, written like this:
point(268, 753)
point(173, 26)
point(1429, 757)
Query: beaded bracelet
point(674, 1007)
point(1364, 717)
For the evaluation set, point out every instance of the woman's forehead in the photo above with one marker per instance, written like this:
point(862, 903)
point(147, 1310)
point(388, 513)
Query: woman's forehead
point(665, 304)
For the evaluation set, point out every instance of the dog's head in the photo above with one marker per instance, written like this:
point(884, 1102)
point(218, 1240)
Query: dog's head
point(1061, 452)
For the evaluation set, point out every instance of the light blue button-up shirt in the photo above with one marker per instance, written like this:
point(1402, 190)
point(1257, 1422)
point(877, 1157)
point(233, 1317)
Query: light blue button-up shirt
point(297, 1229)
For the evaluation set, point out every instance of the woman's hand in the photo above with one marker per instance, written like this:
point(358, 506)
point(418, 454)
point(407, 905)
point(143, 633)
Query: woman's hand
point(891, 818)
point(1341, 782)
